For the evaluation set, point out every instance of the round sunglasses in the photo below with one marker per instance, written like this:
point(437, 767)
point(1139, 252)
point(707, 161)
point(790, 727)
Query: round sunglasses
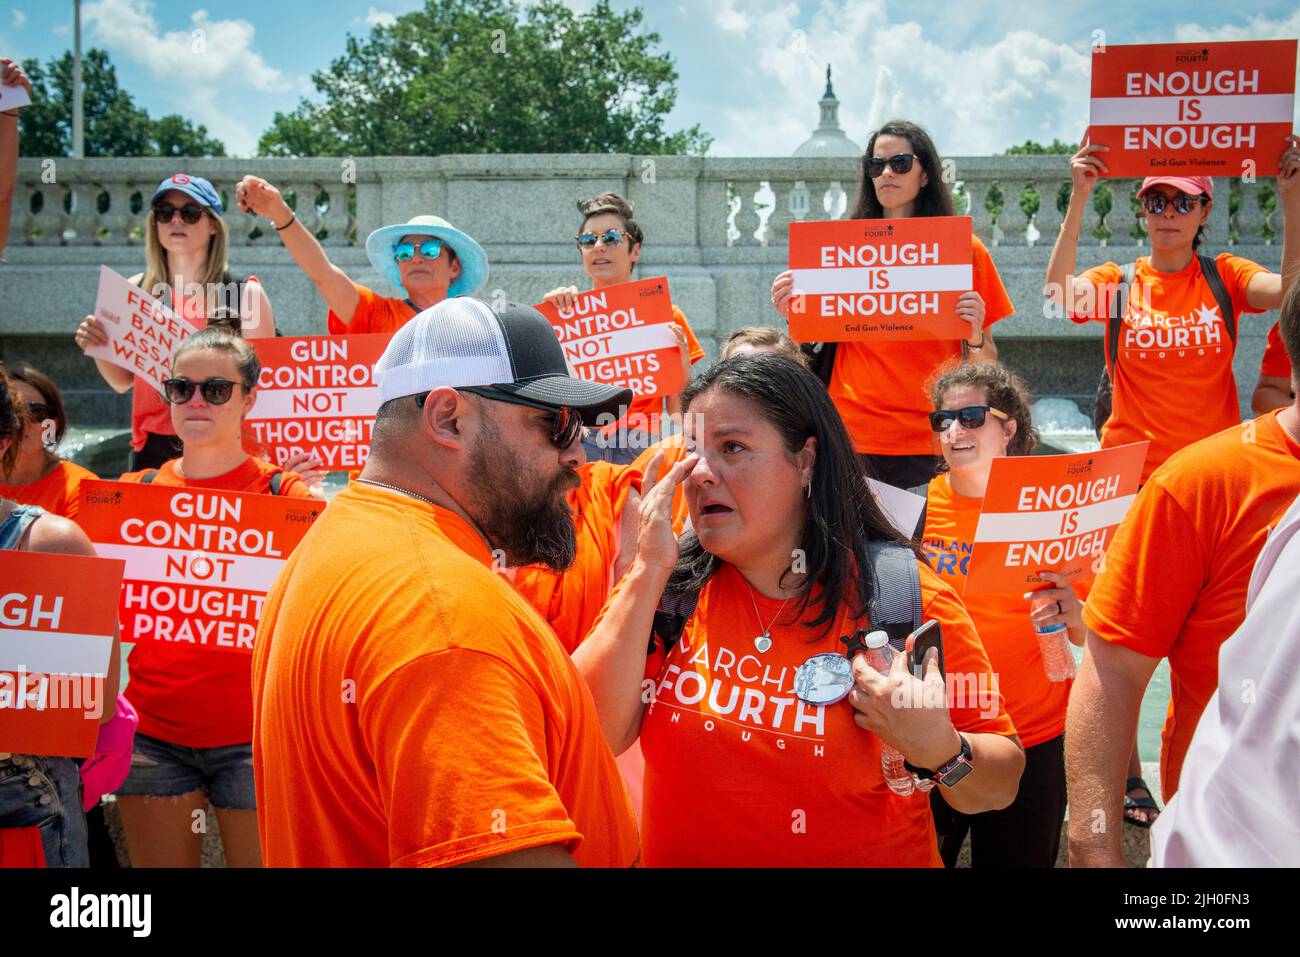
point(429, 249)
point(610, 237)
point(214, 391)
point(900, 163)
point(191, 213)
point(566, 423)
point(970, 418)
point(1157, 203)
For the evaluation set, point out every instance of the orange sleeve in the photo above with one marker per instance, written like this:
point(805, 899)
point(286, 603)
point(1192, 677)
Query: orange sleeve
point(360, 323)
point(462, 776)
point(997, 304)
point(1237, 274)
point(1104, 279)
point(697, 350)
point(975, 704)
point(1276, 362)
point(1154, 545)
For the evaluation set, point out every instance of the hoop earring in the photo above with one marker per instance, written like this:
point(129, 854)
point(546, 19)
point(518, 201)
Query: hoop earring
point(807, 490)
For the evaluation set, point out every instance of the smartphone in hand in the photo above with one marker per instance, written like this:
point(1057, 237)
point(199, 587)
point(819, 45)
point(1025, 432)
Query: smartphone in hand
point(919, 643)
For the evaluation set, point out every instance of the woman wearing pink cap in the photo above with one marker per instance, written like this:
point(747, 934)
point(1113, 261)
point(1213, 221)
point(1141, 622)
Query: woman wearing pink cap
point(1171, 325)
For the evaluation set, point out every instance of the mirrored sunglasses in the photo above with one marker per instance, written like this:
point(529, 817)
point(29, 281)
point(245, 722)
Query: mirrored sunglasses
point(1156, 203)
point(429, 249)
point(610, 237)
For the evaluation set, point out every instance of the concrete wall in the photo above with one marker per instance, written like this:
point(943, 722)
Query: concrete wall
point(711, 225)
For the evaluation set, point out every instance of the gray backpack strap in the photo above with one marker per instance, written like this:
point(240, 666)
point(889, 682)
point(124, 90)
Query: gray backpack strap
point(674, 611)
point(1115, 322)
point(1210, 270)
point(14, 528)
point(896, 601)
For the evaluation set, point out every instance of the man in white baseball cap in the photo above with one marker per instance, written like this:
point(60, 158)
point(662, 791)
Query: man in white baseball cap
point(410, 708)
point(427, 260)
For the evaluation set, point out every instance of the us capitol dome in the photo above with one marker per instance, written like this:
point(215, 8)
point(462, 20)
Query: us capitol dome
point(829, 139)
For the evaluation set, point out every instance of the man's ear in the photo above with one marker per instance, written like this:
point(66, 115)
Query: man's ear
point(449, 418)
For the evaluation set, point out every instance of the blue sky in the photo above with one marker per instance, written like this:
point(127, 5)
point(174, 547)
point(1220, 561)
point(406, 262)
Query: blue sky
point(981, 75)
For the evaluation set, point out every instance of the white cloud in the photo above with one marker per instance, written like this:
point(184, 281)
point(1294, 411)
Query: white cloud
point(206, 69)
point(375, 18)
point(19, 19)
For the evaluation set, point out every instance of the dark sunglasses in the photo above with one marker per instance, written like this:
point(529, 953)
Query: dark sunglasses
point(429, 249)
point(611, 237)
point(191, 213)
point(39, 411)
point(1156, 203)
point(566, 423)
point(900, 163)
point(972, 417)
point(215, 391)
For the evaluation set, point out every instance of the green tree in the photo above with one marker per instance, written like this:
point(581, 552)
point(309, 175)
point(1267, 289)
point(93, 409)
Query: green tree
point(1055, 148)
point(479, 76)
point(115, 126)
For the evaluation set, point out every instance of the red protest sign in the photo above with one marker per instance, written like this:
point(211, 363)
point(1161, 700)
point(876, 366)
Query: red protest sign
point(871, 279)
point(1052, 513)
point(199, 562)
point(619, 335)
point(1193, 109)
point(58, 614)
point(142, 332)
point(317, 394)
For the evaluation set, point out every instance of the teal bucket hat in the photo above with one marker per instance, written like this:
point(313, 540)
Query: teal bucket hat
point(473, 260)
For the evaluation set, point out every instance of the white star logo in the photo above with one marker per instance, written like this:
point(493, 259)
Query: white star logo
point(1208, 316)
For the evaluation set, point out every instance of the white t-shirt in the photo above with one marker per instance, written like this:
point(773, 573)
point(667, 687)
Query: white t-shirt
point(1238, 801)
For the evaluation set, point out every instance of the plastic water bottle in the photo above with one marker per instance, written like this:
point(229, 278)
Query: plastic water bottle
point(1054, 644)
point(881, 657)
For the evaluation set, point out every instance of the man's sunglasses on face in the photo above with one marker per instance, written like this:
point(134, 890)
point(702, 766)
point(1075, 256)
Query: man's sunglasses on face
point(972, 417)
point(191, 213)
point(900, 163)
point(610, 237)
point(1156, 203)
point(566, 423)
point(429, 249)
point(215, 391)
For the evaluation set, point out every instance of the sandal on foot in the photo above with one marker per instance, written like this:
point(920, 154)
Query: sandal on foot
point(1132, 804)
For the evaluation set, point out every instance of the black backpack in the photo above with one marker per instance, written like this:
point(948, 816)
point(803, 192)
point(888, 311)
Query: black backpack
point(895, 607)
point(1115, 325)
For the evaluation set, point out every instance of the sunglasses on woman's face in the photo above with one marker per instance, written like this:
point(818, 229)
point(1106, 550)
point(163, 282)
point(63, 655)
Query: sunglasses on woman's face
point(610, 237)
point(1156, 203)
point(429, 249)
point(39, 411)
point(566, 423)
point(215, 391)
point(900, 163)
point(970, 418)
point(191, 213)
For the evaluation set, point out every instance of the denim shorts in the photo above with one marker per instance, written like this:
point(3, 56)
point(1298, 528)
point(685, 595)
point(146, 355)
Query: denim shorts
point(46, 793)
point(161, 769)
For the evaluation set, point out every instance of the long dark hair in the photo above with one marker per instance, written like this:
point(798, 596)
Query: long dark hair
point(38, 380)
point(842, 515)
point(11, 424)
point(935, 199)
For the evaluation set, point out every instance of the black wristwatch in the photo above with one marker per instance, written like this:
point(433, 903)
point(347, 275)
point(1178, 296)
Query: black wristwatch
point(950, 773)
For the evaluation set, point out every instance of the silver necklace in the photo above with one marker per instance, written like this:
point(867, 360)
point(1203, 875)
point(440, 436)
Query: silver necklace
point(763, 642)
point(394, 488)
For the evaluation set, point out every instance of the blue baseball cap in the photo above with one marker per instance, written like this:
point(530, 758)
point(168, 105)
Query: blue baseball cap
point(195, 187)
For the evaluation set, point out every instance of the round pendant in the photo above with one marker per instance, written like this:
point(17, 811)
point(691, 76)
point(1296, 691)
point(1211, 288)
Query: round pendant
point(763, 643)
point(824, 679)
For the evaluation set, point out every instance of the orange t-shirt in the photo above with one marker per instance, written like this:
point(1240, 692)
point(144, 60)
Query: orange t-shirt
point(645, 411)
point(1174, 382)
point(880, 388)
point(1036, 705)
point(571, 600)
point(674, 450)
point(411, 709)
point(185, 694)
point(1176, 574)
point(1276, 362)
point(741, 773)
point(59, 493)
point(375, 313)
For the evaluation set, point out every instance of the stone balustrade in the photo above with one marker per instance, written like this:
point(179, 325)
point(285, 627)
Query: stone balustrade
point(717, 227)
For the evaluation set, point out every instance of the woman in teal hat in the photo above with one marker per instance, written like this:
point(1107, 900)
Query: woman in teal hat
point(427, 259)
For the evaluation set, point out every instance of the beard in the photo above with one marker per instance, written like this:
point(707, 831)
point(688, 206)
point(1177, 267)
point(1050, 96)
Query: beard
point(531, 527)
